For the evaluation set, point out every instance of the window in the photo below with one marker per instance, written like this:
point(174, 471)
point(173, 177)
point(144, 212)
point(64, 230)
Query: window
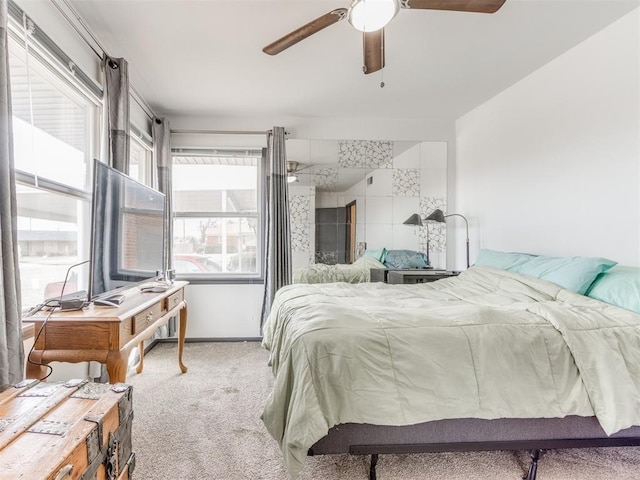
point(53, 132)
point(140, 158)
point(217, 214)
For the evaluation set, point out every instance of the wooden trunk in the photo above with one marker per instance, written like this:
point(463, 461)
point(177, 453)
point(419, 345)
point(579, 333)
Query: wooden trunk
point(60, 431)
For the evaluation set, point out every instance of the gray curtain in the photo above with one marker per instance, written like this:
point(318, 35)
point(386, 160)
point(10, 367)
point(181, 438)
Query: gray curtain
point(162, 155)
point(11, 348)
point(278, 230)
point(116, 75)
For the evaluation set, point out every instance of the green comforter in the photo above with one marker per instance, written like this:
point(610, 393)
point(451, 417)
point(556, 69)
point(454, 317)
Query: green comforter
point(486, 344)
point(356, 272)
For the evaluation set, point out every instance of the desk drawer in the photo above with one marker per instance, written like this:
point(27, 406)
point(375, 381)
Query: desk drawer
point(145, 318)
point(174, 299)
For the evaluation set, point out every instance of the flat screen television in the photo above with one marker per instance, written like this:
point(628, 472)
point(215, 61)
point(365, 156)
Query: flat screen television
point(127, 232)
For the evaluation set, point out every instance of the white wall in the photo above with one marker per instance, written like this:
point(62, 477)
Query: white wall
point(552, 164)
point(223, 311)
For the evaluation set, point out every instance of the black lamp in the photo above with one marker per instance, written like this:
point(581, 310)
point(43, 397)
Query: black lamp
point(413, 220)
point(438, 216)
point(416, 220)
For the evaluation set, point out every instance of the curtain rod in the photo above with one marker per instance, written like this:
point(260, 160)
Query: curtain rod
point(222, 132)
point(84, 25)
point(136, 96)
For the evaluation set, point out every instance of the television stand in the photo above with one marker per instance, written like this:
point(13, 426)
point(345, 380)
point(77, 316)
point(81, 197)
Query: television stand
point(106, 335)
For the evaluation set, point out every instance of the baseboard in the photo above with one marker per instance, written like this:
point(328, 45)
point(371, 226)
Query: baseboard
point(148, 347)
point(210, 339)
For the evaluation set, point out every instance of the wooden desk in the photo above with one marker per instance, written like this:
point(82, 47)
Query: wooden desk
point(107, 334)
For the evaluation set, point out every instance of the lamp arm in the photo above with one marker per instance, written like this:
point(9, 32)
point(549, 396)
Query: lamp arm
point(466, 223)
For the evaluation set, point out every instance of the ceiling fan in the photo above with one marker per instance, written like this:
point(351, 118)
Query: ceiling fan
point(293, 168)
point(370, 17)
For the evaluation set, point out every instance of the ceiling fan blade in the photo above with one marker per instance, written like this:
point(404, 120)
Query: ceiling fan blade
point(373, 49)
point(305, 31)
point(477, 6)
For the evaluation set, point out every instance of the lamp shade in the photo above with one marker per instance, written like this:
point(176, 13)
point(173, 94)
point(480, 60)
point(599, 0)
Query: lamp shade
point(413, 220)
point(436, 216)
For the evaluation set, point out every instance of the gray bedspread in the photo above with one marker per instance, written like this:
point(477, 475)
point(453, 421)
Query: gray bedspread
point(486, 344)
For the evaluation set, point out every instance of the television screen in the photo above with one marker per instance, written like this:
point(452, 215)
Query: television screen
point(127, 231)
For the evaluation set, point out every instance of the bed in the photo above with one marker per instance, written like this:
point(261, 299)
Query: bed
point(491, 359)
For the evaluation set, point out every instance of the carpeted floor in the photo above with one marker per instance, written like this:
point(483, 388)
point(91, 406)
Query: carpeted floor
point(206, 424)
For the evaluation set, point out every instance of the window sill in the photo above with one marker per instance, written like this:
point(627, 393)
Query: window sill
point(221, 280)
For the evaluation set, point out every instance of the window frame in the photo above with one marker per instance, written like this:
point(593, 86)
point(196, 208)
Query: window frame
point(146, 174)
point(48, 61)
point(229, 278)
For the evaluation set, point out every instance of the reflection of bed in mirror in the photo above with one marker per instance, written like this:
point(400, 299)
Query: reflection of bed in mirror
point(361, 269)
point(351, 195)
point(356, 272)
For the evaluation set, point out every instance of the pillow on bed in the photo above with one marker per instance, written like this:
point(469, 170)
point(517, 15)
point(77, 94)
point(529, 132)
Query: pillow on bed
point(502, 260)
point(405, 259)
point(572, 273)
point(619, 286)
point(379, 254)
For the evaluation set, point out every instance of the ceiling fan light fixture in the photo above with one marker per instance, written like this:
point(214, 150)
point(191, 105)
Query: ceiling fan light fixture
point(372, 15)
point(292, 169)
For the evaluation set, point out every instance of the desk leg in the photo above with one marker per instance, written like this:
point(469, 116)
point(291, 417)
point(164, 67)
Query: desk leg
point(183, 332)
point(33, 370)
point(140, 365)
point(117, 366)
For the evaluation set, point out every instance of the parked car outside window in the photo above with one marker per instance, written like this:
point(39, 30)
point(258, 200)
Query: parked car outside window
point(195, 263)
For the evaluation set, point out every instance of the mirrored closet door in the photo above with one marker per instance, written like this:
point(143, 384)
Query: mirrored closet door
point(350, 195)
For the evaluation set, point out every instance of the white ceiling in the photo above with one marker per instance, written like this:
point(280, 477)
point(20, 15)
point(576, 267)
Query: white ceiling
point(204, 57)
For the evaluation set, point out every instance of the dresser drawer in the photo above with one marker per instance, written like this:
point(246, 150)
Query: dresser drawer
point(145, 318)
point(174, 299)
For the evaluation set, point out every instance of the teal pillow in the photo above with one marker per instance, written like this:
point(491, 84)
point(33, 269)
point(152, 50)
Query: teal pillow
point(379, 254)
point(572, 273)
point(405, 259)
point(619, 286)
point(502, 260)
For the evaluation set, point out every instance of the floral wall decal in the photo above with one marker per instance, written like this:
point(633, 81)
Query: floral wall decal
point(406, 182)
point(437, 231)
